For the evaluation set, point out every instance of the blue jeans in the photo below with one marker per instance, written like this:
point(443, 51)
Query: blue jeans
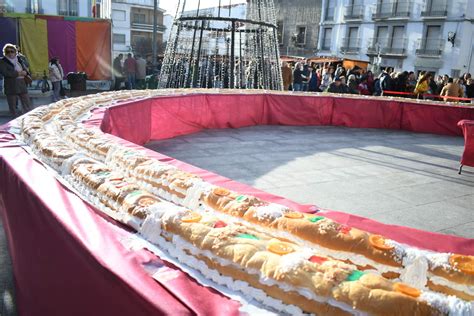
point(297, 87)
point(56, 90)
point(131, 81)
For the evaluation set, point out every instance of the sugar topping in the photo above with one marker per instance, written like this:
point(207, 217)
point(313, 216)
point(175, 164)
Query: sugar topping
point(271, 211)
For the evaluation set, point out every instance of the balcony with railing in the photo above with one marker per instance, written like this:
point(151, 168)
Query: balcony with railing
point(6, 8)
point(68, 12)
point(354, 12)
point(33, 10)
point(350, 45)
point(392, 46)
point(392, 10)
point(432, 47)
point(147, 3)
point(440, 10)
point(143, 26)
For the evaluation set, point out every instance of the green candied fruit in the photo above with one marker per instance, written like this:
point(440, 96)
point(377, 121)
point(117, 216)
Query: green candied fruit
point(241, 198)
point(355, 275)
point(247, 236)
point(316, 219)
point(135, 193)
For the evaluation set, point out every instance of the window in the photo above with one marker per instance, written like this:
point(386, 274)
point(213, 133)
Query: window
point(68, 7)
point(382, 36)
point(398, 37)
point(352, 40)
point(118, 15)
point(119, 38)
point(432, 37)
point(34, 6)
point(326, 44)
point(139, 18)
point(301, 37)
point(329, 14)
point(437, 7)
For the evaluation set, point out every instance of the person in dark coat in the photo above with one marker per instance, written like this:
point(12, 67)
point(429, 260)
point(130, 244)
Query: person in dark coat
point(14, 86)
point(118, 71)
point(337, 86)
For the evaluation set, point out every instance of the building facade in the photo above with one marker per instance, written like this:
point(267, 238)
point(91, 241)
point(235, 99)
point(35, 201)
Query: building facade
point(418, 35)
point(49, 7)
point(132, 29)
point(298, 26)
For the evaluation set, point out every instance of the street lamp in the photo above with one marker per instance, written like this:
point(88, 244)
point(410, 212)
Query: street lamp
point(452, 37)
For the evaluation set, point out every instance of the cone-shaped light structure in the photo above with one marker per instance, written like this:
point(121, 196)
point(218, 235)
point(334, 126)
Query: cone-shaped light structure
point(231, 45)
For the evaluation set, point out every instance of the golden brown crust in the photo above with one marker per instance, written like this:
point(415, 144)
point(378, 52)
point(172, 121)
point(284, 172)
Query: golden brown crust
point(453, 275)
point(291, 298)
point(368, 293)
point(449, 291)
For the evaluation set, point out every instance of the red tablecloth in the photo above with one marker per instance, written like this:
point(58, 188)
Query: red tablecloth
point(468, 131)
point(68, 260)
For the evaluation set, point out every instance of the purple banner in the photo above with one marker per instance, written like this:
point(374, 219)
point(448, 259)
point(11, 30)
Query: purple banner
point(8, 32)
point(62, 43)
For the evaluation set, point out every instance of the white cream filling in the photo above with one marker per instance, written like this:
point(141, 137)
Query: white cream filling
point(468, 289)
point(449, 305)
point(179, 245)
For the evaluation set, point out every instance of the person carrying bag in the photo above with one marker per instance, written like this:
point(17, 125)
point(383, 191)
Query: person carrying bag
point(15, 83)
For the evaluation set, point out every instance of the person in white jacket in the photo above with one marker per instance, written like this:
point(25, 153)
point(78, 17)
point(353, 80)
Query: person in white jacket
point(56, 75)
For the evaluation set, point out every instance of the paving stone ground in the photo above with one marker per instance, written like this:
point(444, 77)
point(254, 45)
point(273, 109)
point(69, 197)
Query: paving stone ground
point(394, 177)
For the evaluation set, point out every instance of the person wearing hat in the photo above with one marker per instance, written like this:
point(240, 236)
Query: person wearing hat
point(337, 86)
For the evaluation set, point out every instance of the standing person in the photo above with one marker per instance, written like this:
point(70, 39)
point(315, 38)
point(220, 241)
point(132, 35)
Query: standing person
point(314, 82)
point(298, 77)
point(14, 85)
point(118, 71)
point(363, 88)
point(141, 72)
point(352, 84)
point(287, 75)
point(423, 84)
point(452, 89)
point(56, 75)
point(306, 75)
point(130, 66)
point(326, 79)
point(337, 86)
point(470, 88)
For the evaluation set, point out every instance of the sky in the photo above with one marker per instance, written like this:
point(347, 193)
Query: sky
point(170, 5)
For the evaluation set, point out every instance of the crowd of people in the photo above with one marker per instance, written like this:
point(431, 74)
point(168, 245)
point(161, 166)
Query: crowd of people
point(132, 71)
point(305, 76)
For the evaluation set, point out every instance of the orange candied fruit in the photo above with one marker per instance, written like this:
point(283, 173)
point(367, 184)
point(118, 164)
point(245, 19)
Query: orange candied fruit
point(280, 247)
point(191, 217)
point(463, 263)
point(379, 242)
point(221, 191)
point(294, 215)
point(146, 201)
point(407, 290)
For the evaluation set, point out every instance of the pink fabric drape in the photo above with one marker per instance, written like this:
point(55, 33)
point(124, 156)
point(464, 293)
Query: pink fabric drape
point(468, 131)
point(62, 43)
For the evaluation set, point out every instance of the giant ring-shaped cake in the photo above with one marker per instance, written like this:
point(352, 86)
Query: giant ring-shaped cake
point(290, 261)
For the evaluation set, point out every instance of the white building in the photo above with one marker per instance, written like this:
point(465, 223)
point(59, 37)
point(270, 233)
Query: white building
point(168, 20)
point(430, 35)
point(132, 28)
point(77, 8)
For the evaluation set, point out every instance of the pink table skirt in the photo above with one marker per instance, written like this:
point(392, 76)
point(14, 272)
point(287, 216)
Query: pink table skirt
point(467, 127)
